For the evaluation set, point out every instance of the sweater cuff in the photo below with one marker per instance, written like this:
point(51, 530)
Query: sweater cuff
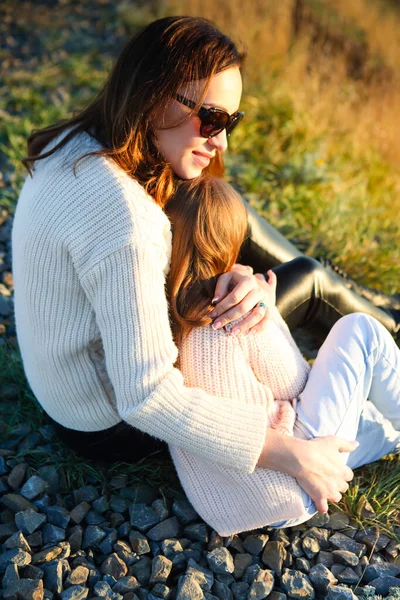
point(213, 428)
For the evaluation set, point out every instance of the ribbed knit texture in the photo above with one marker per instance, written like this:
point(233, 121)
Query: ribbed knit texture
point(90, 255)
point(266, 369)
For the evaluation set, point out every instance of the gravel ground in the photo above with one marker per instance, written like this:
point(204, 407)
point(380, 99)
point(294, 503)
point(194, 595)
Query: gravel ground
point(129, 542)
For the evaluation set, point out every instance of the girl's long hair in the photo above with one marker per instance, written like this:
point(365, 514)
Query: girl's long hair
point(209, 225)
point(165, 56)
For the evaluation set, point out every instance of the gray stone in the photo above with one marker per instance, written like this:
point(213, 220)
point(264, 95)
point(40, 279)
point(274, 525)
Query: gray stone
point(261, 586)
point(311, 547)
point(14, 556)
point(325, 558)
point(17, 540)
point(140, 493)
point(222, 591)
point(17, 503)
point(254, 543)
point(101, 504)
point(344, 557)
point(240, 590)
point(321, 577)
point(341, 542)
point(241, 562)
point(46, 555)
point(163, 591)
point(296, 547)
point(126, 584)
point(188, 588)
point(339, 592)
point(348, 576)
point(7, 529)
point(80, 511)
point(319, 520)
point(160, 509)
point(52, 534)
point(251, 573)
point(371, 538)
point(33, 487)
point(58, 516)
point(142, 570)
point(160, 569)
point(86, 493)
point(32, 572)
point(106, 546)
point(338, 521)
point(119, 504)
point(103, 589)
point(5, 306)
point(75, 592)
point(140, 544)
point(303, 564)
point(322, 535)
point(143, 518)
point(277, 596)
point(24, 589)
point(376, 570)
point(184, 511)
point(29, 520)
point(297, 585)
point(35, 539)
point(53, 576)
point(226, 578)
point(196, 532)
point(17, 476)
point(383, 584)
point(93, 536)
point(10, 576)
point(113, 565)
point(77, 576)
point(166, 529)
point(220, 560)
point(273, 556)
point(203, 576)
point(75, 538)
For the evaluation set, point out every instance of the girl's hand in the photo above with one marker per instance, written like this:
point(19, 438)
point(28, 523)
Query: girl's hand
point(237, 293)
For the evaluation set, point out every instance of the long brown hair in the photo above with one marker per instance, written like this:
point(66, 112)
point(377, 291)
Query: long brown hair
point(166, 55)
point(209, 225)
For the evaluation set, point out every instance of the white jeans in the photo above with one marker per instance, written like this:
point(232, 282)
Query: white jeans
point(353, 391)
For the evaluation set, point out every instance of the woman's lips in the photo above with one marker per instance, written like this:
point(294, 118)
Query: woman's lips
point(201, 160)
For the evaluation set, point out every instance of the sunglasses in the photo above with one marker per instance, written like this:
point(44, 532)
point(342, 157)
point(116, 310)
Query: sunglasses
point(213, 120)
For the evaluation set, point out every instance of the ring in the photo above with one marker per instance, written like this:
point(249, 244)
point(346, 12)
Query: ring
point(262, 305)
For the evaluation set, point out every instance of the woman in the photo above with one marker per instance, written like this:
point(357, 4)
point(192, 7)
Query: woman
point(358, 360)
point(91, 248)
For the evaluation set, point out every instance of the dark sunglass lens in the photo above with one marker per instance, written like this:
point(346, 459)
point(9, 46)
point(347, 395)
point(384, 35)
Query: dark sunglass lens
point(213, 123)
point(235, 121)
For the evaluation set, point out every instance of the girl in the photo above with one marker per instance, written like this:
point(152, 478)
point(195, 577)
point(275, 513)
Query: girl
point(358, 360)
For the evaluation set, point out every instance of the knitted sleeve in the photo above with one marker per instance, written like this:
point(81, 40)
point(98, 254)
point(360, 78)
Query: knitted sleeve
point(127, 292)
point(276, 360)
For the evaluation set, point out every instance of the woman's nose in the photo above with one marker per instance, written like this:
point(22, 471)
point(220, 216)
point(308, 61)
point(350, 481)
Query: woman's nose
point(220, 141)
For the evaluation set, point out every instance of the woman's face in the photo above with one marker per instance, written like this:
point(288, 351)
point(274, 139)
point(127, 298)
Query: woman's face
point(183, 147)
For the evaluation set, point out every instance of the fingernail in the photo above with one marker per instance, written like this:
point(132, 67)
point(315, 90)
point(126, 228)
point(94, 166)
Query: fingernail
point(213, 314)
point(215, 300)
point(216, 325)
point(236, 331)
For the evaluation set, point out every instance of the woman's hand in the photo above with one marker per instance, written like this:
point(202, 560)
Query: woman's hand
point(237, 293)
point(317, 464)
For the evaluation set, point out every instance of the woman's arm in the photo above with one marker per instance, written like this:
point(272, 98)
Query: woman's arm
point(127, 293)
point(316, 464)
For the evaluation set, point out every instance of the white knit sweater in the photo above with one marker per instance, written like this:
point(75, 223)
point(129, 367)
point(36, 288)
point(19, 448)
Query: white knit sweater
point(266, 368)
point(90, 255)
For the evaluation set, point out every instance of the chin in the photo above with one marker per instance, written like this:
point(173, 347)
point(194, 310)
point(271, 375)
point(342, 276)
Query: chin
point(189, 173)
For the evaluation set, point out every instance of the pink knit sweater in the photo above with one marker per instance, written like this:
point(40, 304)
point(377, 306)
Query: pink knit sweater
point(267, 369)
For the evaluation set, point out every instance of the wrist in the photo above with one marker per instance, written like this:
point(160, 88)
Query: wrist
point(281, 453)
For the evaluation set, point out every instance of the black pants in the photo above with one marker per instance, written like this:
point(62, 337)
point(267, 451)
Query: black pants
point(308, 296)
